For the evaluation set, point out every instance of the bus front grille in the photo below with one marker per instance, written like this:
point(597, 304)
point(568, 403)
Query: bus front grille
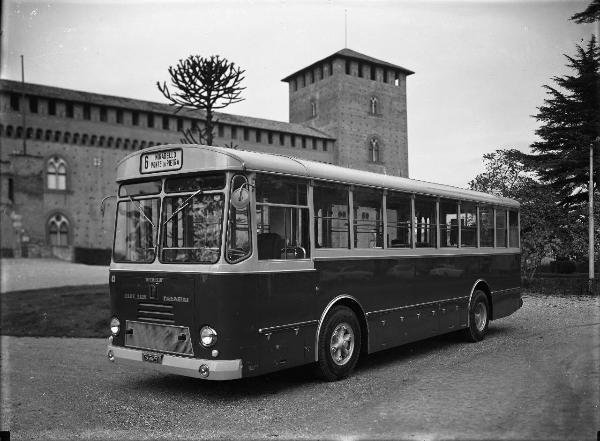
point(158, 337)
point(156, 313)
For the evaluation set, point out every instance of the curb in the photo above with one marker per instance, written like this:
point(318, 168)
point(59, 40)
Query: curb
point(71, 289)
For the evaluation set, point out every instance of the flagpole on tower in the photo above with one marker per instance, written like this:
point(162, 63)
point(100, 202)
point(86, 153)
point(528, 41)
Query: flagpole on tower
point(346, 28)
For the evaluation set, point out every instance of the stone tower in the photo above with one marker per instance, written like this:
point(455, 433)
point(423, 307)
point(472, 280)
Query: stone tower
point(360, 101)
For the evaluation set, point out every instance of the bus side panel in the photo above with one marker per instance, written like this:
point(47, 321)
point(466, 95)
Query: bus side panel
point(406, 299)
point(504, 278)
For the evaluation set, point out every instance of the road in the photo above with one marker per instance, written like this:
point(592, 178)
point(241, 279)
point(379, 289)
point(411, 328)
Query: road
point(535, 376)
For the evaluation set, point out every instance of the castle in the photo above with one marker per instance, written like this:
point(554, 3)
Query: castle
point(59, 147)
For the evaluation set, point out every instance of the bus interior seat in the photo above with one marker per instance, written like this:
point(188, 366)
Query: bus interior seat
point(269, 245)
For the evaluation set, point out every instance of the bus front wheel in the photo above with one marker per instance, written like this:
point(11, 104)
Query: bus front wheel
point(339, 344)
point(479, 317)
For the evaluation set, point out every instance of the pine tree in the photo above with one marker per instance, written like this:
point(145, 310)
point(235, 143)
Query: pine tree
point(570, 120)
point(591, 13)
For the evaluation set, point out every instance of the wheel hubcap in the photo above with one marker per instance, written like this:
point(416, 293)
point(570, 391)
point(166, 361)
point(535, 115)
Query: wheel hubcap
point(342, 344)
point(480, 314)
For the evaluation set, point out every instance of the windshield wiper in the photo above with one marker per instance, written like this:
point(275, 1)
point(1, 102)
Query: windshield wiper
point(141, 209)
point(182, 206)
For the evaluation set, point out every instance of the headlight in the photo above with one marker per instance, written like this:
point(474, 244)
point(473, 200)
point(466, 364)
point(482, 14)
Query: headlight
point(115, 326)
point(208, 336)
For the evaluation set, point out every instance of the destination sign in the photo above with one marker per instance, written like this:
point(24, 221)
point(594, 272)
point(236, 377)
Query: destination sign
point(165, 160)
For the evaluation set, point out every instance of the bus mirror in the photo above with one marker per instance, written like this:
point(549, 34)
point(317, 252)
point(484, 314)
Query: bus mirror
point(240, 197)
point(102, 204)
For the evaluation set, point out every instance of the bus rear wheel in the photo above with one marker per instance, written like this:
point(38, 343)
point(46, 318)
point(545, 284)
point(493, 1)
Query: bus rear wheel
point(479, 317)
point(339, 344)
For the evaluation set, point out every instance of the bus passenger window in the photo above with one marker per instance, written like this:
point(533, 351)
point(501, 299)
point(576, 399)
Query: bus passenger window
point(331, 216)
point(513, 229)
point(486, 226)
point(281, 218)
point(399, 233)
point(368, 221)
point(468, 225)
point(448, 223)
point(424, 223)
point(501, 231)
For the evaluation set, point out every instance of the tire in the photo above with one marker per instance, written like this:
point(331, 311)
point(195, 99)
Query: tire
point(339, 344)
point(479, 317)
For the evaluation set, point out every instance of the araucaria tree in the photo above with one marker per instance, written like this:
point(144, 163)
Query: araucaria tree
point(204, 84)
point(570, 119)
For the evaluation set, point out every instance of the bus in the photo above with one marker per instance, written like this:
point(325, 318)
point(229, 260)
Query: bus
point(229, 264)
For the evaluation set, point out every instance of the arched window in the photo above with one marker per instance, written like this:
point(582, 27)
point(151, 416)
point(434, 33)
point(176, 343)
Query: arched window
point(57, 136)
point(374, 105)
point(67, 137)
point(101, 141)
point(84, 139)
point(93, 140)
point(374, 150)
point(58, 230)
point(56, 173)
point(39, 133)
point(76, 138)
point(9, 131)
point(48, 136)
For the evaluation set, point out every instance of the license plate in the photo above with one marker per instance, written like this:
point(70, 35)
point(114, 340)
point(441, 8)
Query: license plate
point(152, 358)
point(164, 160)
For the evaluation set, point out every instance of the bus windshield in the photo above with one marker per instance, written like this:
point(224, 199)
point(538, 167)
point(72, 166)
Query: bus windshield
point(192, 228)
point(136, 229)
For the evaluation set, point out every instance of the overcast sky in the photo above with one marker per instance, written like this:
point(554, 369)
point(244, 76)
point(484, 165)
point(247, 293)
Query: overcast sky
point(479, 66)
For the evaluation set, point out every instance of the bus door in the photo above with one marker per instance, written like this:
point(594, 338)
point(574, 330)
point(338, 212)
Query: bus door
point(287, 274)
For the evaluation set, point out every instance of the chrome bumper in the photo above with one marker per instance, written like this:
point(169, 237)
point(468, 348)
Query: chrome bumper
point(217, 369)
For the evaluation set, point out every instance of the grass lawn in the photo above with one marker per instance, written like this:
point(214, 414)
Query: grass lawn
point(57, 312)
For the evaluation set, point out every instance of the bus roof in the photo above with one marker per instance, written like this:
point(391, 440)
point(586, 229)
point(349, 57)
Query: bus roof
point(199, 158)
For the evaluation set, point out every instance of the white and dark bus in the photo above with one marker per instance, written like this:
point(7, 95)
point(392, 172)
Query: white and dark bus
point(229, 264)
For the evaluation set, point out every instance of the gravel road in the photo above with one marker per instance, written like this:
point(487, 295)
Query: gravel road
point(535, 376)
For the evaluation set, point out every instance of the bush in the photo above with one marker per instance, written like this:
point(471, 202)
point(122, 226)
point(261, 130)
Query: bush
point(562, 267)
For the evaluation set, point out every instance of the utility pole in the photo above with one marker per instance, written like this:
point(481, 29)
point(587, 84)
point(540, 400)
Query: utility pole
point(23, 121)
point(591, 218)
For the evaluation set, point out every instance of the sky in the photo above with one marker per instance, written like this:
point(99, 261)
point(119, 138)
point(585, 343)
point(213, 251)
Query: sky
point(479, 65)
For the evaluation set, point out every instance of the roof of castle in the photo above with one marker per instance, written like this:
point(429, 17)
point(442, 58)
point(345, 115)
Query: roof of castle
point(158, 108)
point(353, 55)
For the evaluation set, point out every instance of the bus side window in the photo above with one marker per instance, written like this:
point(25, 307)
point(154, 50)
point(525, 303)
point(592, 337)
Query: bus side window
point(368, 220)
point(281, 218)
point(501, 230)
point(448, 223)
point(332, 228)
point(399, 232)
point(513, 229)
point(425, 222)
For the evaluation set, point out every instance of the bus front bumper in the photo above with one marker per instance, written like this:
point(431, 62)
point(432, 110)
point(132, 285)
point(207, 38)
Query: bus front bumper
point(191, 367)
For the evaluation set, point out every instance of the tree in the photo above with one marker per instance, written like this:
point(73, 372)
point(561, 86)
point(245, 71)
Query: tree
point(547, 229)
point(504, 174)
point(591, 13)
point(203, 84)
point(570, 120)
